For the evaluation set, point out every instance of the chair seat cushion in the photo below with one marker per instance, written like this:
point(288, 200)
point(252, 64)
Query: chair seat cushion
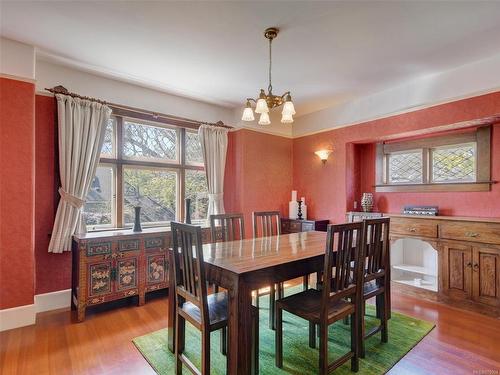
point(217, 308)
point(307, 305)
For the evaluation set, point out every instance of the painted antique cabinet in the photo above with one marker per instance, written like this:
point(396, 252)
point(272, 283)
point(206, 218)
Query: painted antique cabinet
point(112, 265)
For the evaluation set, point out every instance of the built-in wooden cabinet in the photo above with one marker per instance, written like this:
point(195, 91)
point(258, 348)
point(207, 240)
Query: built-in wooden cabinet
point(468, 255)
point(486, 275)
point(456, 270)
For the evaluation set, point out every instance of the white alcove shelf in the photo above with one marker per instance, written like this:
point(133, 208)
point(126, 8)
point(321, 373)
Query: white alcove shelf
point(414, 262)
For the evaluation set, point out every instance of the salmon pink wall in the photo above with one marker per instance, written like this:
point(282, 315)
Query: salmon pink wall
point(331, 188)
point(17, 116)
point(53, 271)
point(258, 174)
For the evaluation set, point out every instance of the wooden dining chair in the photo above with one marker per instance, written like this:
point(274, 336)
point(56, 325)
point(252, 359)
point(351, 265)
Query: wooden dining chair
point(265, 224)
point(376, 276)
point(340, 297)
point(205, 312)
point(232, 227)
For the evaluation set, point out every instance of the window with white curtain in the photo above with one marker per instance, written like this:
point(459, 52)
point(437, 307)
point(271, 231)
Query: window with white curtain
point(147, 164)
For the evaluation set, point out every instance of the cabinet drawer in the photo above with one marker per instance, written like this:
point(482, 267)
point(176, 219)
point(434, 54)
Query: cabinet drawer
point(307, 227)
point(474, 232)
point(414, 227)
point(295, 227)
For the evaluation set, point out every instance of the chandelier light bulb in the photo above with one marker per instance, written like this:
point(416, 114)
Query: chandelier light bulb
point(261, 106)
point(288, 107)
point(286, 118)
point(264, 119)
point(248, 113)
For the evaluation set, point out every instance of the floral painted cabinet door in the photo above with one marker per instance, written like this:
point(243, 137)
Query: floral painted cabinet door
point(127, 274)
point(156, 270)
point(100, 283)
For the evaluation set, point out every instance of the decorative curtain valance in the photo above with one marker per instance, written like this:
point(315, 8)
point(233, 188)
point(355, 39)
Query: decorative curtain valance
point(213, 141)
point(81, 128)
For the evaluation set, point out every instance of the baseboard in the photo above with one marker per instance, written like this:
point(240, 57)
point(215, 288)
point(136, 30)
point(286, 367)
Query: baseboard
point(17, 317)
point(26, 315)
point(53, 300)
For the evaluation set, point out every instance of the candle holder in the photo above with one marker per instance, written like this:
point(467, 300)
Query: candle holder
point(299, 211)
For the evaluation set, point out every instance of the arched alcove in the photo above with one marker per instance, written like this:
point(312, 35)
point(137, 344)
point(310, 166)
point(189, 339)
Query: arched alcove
point(414, 262)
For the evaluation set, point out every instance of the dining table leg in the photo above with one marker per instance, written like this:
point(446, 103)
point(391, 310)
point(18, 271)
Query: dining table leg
point(171, 305)
point(239, 359)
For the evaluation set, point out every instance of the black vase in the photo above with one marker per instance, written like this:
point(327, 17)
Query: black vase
point(137, 220)
point(187, 210)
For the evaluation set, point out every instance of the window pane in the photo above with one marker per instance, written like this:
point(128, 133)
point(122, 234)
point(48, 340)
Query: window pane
point(193, 149)
point(155, 190)
point(141, 141)
point(405, 168)
point(98, 208)
point(196, 190)
point(108, 146)
point(454, 163)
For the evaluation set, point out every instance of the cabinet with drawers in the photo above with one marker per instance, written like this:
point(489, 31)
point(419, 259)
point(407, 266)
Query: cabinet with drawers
point(112, 265)
point(295, 225)
point(469, 254)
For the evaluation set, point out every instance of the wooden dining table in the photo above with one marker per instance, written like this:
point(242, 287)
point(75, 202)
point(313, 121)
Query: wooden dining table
point(243, 266)
point(246, 265)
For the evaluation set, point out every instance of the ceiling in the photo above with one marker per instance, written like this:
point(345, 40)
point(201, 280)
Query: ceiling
point(326, 52)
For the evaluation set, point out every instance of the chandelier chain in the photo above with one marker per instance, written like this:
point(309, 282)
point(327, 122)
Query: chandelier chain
point(270, 87)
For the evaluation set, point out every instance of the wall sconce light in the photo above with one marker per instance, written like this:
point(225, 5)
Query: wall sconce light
point(323, 155)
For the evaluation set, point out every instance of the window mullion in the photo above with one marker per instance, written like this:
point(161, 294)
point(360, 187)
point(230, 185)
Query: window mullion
point(119, 172)
point(426, 167)
point(182, 175)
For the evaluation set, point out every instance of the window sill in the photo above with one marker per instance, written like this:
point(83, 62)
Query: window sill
point(422, 188)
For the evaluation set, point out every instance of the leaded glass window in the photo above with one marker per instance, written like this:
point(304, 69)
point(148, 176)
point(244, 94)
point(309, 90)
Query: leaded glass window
point(406, 167)
point(456, 163)
point(193, 149)
point(108, 145)
point(154, 165)
point(144, 141)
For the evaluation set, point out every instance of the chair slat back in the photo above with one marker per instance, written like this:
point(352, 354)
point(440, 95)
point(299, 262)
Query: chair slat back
point(269, 223)
point(231, 225)
point(376, 233)
point(189, 269)
point(343, 274)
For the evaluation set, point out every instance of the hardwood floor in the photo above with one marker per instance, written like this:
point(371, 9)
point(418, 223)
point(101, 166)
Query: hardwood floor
point(462, 343)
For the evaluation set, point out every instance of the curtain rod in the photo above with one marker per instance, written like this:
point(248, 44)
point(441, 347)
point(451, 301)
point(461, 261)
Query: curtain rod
point(176, 120)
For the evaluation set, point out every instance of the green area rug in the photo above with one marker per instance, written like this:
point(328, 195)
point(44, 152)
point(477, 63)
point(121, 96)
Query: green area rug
point(404, 333)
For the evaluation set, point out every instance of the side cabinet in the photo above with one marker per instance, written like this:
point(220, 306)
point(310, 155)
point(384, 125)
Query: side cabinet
point(486, 275)
point(457, 270)
point(295, 225)
point(108, 266)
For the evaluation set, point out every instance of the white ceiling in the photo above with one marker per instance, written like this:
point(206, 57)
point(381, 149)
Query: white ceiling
point(215, 51)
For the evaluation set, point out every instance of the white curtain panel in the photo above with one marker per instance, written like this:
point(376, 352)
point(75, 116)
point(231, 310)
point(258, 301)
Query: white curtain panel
point(213, 141)
point(82, 124)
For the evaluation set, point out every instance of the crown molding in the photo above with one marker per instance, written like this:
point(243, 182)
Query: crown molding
point(268, 132)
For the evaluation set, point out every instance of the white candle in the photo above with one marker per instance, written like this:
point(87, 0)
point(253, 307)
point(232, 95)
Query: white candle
point(294, 195)
point(303, 199)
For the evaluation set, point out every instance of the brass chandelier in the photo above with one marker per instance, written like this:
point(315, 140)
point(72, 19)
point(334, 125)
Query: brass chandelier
point(268, 101)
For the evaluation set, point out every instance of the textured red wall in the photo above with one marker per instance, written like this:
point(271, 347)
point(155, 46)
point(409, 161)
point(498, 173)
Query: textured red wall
point(53, 271)
point(329, 187)
point(17, 111)
point(259, 175)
